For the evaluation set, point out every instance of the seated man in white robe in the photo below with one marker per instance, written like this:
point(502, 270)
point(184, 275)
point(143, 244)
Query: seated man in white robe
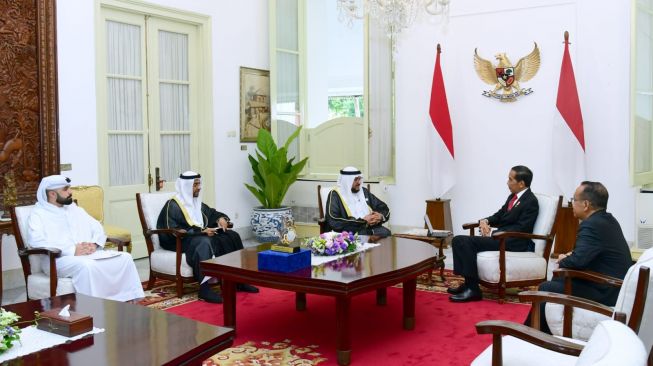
point(56, 222)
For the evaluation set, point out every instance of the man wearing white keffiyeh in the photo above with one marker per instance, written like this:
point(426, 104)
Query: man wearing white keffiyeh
point(57, 222)
point(207, 231)
point(350, 207)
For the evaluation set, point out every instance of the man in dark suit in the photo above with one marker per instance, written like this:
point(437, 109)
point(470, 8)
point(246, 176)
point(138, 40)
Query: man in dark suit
point(517, 214)
point(600, 247)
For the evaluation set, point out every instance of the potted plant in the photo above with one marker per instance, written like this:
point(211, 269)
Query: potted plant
point(274, 173)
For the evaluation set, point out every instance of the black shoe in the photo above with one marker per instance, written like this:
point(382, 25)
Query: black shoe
point(467, 296)
point(243, 287)
point(457, 290)
point(208, 295)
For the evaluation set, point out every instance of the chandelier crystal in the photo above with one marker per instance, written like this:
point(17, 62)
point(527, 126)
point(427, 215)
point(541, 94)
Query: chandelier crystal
point(393, 15)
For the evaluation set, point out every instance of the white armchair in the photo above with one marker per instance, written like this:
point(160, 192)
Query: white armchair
point(611, 343)
point(635, 300)
point(504, 269)
point(322, 196)
point(163, 263)
point(40, 285)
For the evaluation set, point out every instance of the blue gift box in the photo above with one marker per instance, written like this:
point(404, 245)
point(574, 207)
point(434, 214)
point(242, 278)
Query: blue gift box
point(270, 260)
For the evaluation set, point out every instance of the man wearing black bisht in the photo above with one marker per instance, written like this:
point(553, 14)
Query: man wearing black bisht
point(350, 207)
point(207, 231)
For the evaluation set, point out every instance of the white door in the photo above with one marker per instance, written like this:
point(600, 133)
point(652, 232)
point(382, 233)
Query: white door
point(147, 117)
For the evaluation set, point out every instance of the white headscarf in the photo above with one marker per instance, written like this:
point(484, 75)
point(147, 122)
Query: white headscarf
point(49, 183)
point(193, 205)
point(355, 201)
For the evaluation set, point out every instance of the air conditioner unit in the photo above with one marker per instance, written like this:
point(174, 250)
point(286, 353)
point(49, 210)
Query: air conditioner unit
point(644, 220)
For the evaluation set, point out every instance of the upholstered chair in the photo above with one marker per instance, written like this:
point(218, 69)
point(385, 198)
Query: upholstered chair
point(91, 199)
point(322, 196)
point(38, 283)
point(504, 269)
point(635, 300)
point(611, 343)
point(163, 263)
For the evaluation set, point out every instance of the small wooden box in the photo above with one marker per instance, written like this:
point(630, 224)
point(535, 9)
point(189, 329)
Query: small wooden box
point(71, 326)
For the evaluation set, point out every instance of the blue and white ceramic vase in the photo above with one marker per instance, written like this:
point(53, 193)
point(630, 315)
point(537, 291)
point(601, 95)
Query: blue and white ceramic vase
point(268, 223)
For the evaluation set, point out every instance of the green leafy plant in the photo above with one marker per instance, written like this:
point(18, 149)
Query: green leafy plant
point(274, 173)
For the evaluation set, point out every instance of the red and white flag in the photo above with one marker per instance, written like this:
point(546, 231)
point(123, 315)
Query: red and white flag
point(440, 151)
point(568, 131)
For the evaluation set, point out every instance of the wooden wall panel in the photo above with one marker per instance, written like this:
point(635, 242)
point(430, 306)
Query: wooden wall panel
point(29, 135)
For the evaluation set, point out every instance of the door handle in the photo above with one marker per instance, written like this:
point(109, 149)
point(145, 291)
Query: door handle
point(157, 179)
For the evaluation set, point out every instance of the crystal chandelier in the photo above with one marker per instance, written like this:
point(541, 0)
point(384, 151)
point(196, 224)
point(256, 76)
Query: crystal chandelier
point(393, 15)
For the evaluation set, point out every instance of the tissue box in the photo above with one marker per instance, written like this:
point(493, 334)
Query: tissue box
point(270, 260)
point(71, 326)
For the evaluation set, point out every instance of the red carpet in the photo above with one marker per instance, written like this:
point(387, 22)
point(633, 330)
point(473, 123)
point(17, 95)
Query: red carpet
point(444, 333)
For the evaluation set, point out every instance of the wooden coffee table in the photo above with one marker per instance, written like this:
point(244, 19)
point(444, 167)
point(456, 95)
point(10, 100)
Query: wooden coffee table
point(395, 260)
point(134, 335)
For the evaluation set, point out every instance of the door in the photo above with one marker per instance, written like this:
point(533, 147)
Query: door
point(147, 111)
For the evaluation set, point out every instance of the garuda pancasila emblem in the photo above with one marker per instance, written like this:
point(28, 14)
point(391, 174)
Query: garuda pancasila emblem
point(505, 77)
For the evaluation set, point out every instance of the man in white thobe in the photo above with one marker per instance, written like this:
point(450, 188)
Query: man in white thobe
point(56, 222)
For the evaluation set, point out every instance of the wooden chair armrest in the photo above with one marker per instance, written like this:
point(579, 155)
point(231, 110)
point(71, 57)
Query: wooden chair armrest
point(528, 334)
point(51, 252)
point(517, 234)
point(121, 244)
point(470, 225)
point(175, 232)
point(587, 275)
point(537, 297)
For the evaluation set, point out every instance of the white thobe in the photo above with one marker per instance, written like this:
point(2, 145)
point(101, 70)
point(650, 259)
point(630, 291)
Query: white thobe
point(114, 278)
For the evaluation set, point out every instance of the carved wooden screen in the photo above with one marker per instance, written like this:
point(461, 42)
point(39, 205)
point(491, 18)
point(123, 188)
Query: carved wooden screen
point(29, 134)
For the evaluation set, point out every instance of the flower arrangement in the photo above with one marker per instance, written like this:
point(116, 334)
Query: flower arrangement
point(9, 332)
point(333, 243)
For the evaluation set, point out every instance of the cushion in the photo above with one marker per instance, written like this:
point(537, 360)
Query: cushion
point(519, 266)
point(22, 215)
point(627, 297)
point(548, 207)
point(519, 353)
point(324, 195)
point(583, 324)
point(38, 286)
point(613, 343)
point(164, 261)
point(152, 203)
point(91, 199)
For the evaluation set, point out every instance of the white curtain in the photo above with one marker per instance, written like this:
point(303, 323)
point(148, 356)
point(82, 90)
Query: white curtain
point(380, 102)
point(174, 104)
point(124, 104)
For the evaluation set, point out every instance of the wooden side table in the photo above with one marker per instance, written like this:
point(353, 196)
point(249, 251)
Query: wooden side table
point(5, 228)
point(439, 242)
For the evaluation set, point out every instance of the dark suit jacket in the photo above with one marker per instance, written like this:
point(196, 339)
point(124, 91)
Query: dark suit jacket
point(520, 218)
point(601, 247)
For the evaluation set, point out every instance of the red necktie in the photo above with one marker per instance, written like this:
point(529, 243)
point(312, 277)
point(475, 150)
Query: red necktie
point(511, 204)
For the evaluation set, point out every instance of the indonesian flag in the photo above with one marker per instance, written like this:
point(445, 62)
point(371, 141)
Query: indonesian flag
point(568, 135)
point(440, 151)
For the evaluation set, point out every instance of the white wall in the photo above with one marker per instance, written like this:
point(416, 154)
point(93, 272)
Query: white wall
point(490, 136)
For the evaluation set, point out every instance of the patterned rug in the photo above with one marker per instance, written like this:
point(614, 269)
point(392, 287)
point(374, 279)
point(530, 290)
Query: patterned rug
point(164, 294)
point(440, 285)
point(266, 353)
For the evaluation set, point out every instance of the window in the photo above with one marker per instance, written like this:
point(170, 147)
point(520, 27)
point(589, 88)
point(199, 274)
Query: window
point(335, 81)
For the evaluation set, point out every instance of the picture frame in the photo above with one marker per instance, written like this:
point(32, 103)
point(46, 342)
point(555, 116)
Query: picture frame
point(254, 102)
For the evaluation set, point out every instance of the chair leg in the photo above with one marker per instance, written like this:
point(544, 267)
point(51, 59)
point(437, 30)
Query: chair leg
point(180, 287)
point(150, 282)
point(502, 294)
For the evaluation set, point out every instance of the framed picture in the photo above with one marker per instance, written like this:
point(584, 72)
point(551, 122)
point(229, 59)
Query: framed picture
point(254, 102)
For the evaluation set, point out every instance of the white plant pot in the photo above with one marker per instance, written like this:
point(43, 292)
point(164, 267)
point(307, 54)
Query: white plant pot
point(267, 223)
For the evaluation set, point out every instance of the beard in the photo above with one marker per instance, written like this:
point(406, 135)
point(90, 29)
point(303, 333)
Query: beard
point(64, 201)
point(355, 190)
